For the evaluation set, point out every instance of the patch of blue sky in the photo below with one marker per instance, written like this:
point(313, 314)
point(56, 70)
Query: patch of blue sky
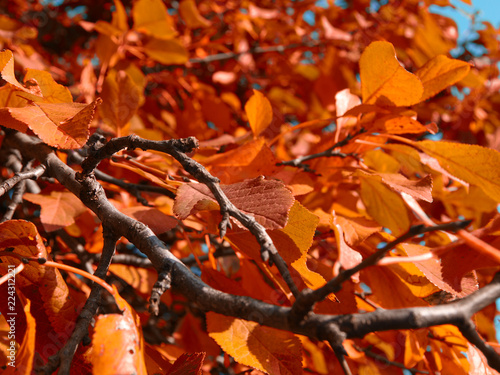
point(469, 19)
point(80, 10)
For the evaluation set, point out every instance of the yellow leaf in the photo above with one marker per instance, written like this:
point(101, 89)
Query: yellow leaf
point(301, 226)
point(440, 73)
point(384, 205)
point(384, 81)
point(267, 349)
point(151, 17)
point(167, 52)
point(474, 164)
point(52, 91)
point(190, 14)
point(119, 17)
point(259, 112)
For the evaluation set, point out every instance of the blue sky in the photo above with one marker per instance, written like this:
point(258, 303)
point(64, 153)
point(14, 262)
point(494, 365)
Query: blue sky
point(465, 15)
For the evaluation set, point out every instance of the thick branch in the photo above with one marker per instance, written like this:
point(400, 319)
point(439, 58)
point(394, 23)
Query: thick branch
point(185, 282)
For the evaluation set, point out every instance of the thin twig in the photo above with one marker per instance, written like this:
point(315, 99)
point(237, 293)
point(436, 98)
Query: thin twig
point(331, 152)
point(64, 357)
point(306, 300)
point(178, 148)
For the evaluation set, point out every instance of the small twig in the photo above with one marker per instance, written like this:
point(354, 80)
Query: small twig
point(305, 301)
point(331, 152)
point(468, 330)
point(381, 358)
point(29, 174)
point(255, 50)
point(133, 189)
point(178, 149)
point(64, 357)
point(162, 284)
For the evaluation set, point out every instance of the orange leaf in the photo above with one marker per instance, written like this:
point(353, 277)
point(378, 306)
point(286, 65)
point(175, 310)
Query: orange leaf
point(61, 125)
point(58, 209)
point(7, 69)
point(266, 349)
point(384, 81)
point(384, 205)
point(52, 91)
point(187, 364)
point(419, 189)
point(395, 124)
point(251, 160)
point(44, 286)
point(151, 17)
point(141, 279)
point(348, 257)
point(259, 112)
point(121, 97)
point(167, 52)
point(152, 217)
point(190, 14)
point(356, 229)
point(267, 200)
point(440, 73)
point(474, 164)
point(300, 228)
point(455, 283)
point(118, 344)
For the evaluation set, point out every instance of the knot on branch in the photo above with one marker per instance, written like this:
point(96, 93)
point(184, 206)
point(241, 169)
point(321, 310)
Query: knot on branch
point(187, 145)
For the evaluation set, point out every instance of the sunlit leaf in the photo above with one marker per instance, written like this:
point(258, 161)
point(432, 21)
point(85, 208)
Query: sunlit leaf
point(440, 73)
point(474, 164)
point(118, 343)
point(259, 112)
point(384, 205)
point(384, 81)
point(58, 209)
point(264, 348)
point(191, 15)
point(61, 125)
point(167, 52)
point(267, 200)
point(151, 17)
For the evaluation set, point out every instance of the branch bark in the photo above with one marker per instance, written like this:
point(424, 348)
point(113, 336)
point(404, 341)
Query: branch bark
point(332, 328)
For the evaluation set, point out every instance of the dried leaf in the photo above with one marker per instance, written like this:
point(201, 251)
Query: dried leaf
point(384, 81)
point(58, 209)
point(267, 200)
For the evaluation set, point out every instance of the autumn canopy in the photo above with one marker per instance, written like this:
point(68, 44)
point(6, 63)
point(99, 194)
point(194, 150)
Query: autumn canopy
point(229, 187)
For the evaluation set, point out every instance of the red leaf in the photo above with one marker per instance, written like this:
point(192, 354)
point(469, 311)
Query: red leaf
point(58, 209)
point(267, 200)
point(188, 364)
